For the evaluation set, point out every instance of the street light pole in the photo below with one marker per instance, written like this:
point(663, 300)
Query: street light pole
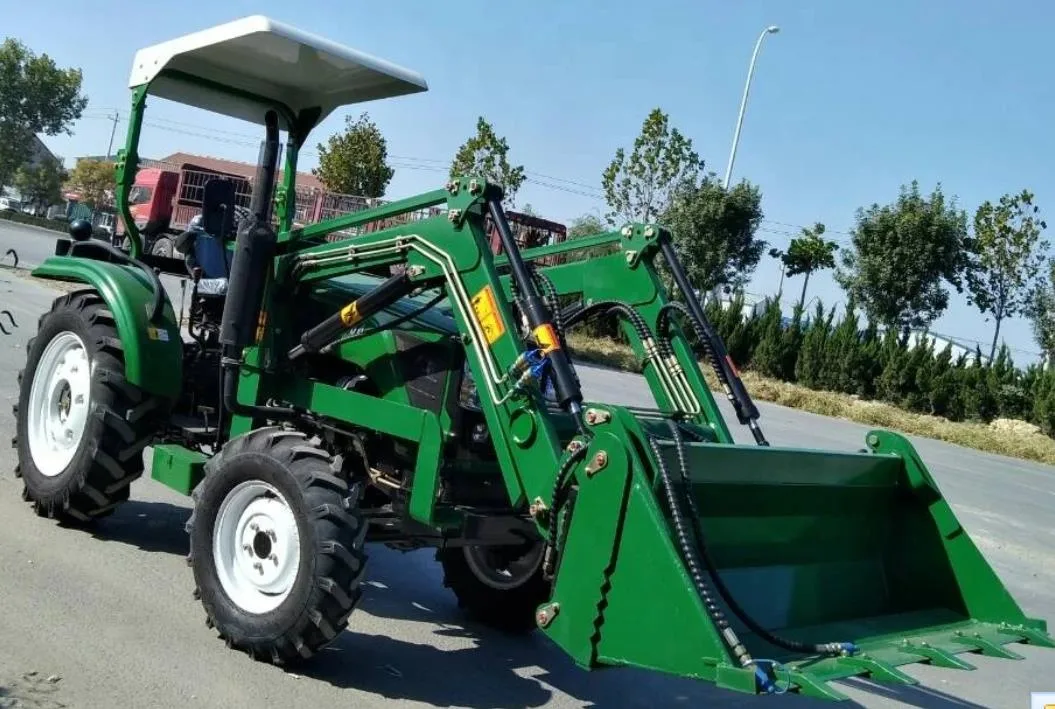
point(772, 29)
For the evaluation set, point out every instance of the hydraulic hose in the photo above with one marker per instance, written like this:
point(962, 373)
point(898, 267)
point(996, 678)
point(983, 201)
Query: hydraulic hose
point(720, 361)
point(556, 502)
point(539, 319)
point(831, 648)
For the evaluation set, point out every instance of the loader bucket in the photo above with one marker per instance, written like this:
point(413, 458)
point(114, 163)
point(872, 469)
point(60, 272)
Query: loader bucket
point(855, 549)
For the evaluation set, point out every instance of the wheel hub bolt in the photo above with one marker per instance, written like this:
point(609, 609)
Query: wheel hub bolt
point(247, 548)
point(259, 567)
point(271, 534)
point(274, 558)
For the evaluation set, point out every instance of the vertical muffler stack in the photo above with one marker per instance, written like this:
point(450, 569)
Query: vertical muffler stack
point(253, 251)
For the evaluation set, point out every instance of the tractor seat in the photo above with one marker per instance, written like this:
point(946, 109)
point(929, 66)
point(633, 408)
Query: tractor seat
point(208, 253)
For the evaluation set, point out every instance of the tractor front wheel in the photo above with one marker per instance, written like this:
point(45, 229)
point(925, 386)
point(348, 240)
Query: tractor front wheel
point(80, 425)
point(501, 586)
point(277, 546)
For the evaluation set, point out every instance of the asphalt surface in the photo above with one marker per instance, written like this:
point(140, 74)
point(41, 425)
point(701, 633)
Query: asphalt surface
point(106, 618)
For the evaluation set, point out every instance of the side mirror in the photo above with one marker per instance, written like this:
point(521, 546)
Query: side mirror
point(81, 230)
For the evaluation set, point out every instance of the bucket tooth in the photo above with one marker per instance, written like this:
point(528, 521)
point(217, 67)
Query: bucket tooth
point(813, 687)
point(1030, 635)
point(987, 647)
point(937, 656)
point(877, 670)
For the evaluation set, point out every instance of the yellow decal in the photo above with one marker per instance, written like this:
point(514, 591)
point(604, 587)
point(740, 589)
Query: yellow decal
point(261, 323)
point(486, 310)
point(350, 314)
point(546, 337)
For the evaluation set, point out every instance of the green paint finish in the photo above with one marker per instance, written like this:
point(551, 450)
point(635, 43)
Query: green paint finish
point(453, 252)
point(629, 275)
point(177, 467)
point(944, 549)
point(153, 352)
point(313, 232)
point(821, 546)
point(126, 167)
point(396, 420)
point(786, 527)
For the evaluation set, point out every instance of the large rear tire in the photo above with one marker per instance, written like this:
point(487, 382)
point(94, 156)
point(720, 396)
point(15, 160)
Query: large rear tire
point(502, 587)
point(277, 546)
point(81, 427)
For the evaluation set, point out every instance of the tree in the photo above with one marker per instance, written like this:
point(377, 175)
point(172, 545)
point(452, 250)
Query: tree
point(94, 181)
point(586, 225)
point(808, 253)
point(714, 232)
point(41, 185)
point(900, 256)
point(36, 96)
point(1041, 312)
point(486, 154)
point(1007, 258)
point(641, 187)
point(355, 162)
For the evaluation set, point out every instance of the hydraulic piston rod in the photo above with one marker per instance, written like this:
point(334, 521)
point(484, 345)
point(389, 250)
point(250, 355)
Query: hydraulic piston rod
point(363, 307)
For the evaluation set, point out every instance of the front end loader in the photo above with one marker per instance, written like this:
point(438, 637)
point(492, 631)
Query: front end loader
point(338, 385)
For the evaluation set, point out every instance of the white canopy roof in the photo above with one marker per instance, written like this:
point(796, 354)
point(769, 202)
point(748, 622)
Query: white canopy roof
point(269, 59)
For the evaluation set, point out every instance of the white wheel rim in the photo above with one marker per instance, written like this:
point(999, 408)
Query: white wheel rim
point(59, 401)
point(256, 547)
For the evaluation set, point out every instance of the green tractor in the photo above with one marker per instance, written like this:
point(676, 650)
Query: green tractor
point(339, 385)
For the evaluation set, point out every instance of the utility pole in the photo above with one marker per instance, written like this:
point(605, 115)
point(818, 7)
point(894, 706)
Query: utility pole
point(113, 131)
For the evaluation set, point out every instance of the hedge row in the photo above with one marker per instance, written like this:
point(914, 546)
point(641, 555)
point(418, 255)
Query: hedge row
point(854, 357)
point(43, 222)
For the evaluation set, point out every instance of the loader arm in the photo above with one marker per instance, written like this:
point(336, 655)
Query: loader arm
point(627, 279)
point(668, 546)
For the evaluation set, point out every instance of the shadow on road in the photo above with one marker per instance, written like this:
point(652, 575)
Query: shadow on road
point(150, 526)
point(467, 665)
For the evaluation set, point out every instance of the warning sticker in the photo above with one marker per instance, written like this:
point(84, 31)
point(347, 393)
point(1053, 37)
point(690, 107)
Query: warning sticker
point(486, 309)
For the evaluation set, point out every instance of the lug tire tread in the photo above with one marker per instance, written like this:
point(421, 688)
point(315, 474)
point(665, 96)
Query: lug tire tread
point(510, 611)
point(305, 623)
point(101, 472)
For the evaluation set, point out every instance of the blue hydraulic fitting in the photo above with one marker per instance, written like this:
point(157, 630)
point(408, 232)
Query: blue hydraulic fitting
point(764, 682)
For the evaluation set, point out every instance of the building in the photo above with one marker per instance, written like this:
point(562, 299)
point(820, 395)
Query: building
point(38, 154)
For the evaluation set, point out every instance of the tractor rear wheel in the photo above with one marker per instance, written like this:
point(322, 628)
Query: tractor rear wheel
point(277, 545)
point(500, 586)
point(81, 427)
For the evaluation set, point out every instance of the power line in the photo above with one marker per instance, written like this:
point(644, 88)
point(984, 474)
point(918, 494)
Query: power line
point(550, 182)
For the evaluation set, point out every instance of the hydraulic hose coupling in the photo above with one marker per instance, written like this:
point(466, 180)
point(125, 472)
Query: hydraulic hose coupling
point(531, 365)
point(765, 682)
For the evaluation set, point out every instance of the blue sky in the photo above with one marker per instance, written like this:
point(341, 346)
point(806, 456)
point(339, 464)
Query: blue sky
point(849, 100)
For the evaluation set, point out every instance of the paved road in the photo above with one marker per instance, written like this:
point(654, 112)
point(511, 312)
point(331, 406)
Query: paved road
point(109, 616)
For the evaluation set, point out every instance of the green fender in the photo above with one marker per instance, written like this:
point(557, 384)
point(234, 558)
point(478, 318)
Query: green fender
point(153, 351)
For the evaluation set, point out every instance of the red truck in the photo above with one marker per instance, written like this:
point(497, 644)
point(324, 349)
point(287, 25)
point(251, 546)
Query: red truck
point(165, 197)
point(529, 232)
point(164, 200)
